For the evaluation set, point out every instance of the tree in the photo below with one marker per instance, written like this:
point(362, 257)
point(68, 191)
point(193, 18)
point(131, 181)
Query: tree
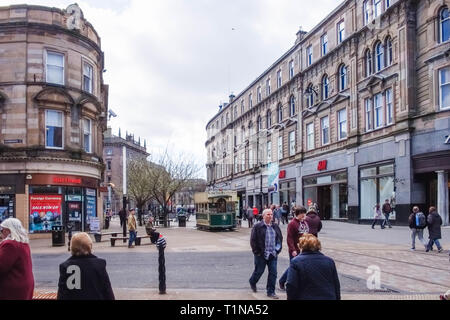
point(139, 183)
point(169, 175)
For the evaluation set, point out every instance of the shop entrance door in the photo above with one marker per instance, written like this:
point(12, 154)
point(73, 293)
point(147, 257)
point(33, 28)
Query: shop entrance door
point(74, 215)
point(324, 202)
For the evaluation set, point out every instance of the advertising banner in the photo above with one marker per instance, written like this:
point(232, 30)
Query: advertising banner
point(3, 214)
point(272, 176)
point(45, 212)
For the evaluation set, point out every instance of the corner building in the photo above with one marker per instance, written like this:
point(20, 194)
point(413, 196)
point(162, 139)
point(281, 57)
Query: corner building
point(356, 112)
point(53, 106)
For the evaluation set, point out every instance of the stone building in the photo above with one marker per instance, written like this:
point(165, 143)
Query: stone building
point(185, 197)
point(356, 112)
point(117, 151)
point(53, 106)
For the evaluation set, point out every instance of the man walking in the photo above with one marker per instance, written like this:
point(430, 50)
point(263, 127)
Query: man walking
point(417, 222)
point(132, 226)
point(386, 211)
point(122, 216)
point(250, 217)
point(434, 221)
point(266, 243)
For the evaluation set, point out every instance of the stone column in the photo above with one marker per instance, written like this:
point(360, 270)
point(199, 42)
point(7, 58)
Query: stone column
point(442, 198)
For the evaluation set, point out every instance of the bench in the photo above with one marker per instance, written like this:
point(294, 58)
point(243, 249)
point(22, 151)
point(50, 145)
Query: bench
point(98, 236)
point(138, 240)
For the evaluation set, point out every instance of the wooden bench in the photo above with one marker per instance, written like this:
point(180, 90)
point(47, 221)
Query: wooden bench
point(98, 236)
point(137, 241)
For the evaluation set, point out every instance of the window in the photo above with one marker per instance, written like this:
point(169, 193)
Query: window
point(366, 12)
point(291, 69)
point(280, 113)
point(340, 32)
point(250, 158)
point(388, 3)
point(444, 88)
point(108, 164)
point(279, 79)
point(325, 127)
point(236, 168)
point(250, 128)
point(250, 102)
point(379, 56)
point(292, 143)
point(259, 123)
point(269, 119)
point(235, 113)
point(324, 44)
point(87, 77)
point(389, 107)
point(368, 63)
point(388, 47)
point(309, 56)
point(87, 135)
point(242, 107)
point(280, 148)
point(310, 96)
point(342, 78)
point(378, 112)
point(268, 87)
point(259, 94)
point(325, 85)
point(310, 136)
point(269, 151)
point(444, 25)
point(242, 135)
point(55, 68)
point(368, 107)
point(292, 107)
point(53, 129)
point(227, 118)
point(376, 8)
point(342, 119)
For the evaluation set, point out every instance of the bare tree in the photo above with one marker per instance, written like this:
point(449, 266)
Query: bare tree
point(170, 174)
point(139, 183)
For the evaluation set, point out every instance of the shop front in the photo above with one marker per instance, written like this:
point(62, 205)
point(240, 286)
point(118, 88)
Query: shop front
point(329, 192)
point(12, 188)
point(61, 200)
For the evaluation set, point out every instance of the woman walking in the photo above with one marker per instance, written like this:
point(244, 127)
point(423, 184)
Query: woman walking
point(377, 216)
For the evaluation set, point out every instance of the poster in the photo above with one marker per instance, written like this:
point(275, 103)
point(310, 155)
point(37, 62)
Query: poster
point(3, 213)
point(90, 210)
point(94, 224)
point(45, 212)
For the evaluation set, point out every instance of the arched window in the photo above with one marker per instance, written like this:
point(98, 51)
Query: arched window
point(259, 123)
point(292, 106)
point(325, 87)
point(389, 51)
point(379, 51)
point(269, 119)
point(310, 96)
point(342, 77)
point(368, 61)
point(280, 113)
point(250, 128)
point(444, 25)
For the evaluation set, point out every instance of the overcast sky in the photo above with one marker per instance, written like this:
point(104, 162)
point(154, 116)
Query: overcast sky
point(171, 63)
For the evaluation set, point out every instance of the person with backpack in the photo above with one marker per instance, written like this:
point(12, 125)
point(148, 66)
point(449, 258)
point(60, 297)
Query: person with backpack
point(417, 222)
point(434, 221)
point(386, 211)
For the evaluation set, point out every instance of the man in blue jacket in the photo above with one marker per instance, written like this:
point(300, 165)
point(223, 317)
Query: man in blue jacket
point(266, 242)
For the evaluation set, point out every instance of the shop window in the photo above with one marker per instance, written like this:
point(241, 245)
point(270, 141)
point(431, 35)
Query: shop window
point(53, 129)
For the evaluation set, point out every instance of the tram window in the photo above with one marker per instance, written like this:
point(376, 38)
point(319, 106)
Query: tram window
point(221, 205)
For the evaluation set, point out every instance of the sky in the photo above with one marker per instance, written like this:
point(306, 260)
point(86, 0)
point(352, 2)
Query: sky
point(171, 63)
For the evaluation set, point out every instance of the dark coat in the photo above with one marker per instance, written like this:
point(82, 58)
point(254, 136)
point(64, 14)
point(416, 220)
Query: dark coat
point(314, 223)
point(434, 225)
point(16, 272)
point(412, 222)
point(258, 238)
point(313, 276)
point(94, 284)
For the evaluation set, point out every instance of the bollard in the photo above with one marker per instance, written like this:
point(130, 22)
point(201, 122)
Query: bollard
point(124, 230)
point(161, 245)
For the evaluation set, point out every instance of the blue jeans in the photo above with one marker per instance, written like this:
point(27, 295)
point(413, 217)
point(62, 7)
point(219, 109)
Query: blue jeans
point(432, 241)
point(260, 266)
point(132, 237)
point(386, 220)
point(285, 274)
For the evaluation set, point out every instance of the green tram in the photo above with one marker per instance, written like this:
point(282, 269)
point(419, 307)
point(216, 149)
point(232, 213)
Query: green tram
point(216, 210)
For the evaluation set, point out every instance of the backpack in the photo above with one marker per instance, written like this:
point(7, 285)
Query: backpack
point(422, 220)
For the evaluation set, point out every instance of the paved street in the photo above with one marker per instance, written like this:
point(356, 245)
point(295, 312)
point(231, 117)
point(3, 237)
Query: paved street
point(217, 265)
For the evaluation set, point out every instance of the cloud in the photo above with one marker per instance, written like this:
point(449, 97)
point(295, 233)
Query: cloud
point(170, 63)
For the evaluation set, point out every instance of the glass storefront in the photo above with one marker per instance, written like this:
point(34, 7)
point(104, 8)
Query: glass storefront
point(7, 202)
point(56, 205)
point(376, 185)
point(287, 192)
point(329, 192)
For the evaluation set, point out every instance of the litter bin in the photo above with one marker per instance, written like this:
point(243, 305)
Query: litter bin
point(182, 220)
point(58, 236)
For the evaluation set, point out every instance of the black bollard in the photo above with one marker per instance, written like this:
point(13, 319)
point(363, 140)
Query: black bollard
point(124, 230)
point(161, 244)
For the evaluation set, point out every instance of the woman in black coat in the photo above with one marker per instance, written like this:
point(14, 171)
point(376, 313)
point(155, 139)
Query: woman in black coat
point(83, 276)
point(434, 221)
point(312, 275)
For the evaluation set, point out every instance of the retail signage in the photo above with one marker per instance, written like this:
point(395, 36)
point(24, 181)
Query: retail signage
point(12, 141)
point(272, 178)
point(45, 212)
point(66, 180)
point(322, 165)
point(282, 174)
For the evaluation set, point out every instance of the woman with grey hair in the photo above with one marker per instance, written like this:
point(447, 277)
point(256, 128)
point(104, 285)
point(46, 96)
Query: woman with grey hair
point(16, 272)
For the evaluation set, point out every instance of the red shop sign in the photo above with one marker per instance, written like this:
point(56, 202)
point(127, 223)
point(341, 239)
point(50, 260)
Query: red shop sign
point(282, 174)
point(322, 165)
point(66, 180)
